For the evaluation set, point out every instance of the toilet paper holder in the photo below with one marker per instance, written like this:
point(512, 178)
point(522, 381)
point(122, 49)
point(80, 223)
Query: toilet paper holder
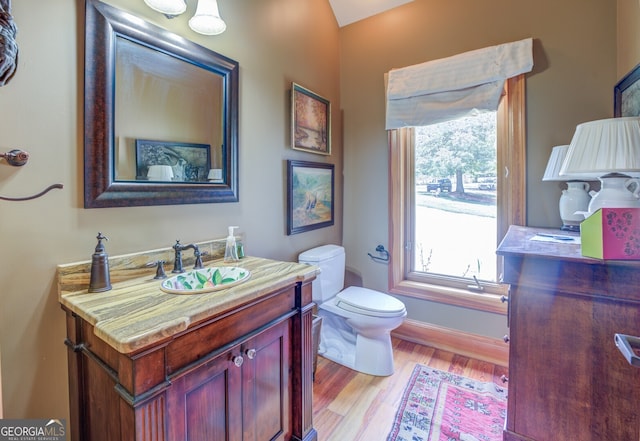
point(381, 250)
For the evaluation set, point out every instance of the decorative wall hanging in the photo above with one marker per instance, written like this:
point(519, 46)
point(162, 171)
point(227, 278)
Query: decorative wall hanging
point(310, 190)
point(310, 121)
point(626, 95)
point(8, 45)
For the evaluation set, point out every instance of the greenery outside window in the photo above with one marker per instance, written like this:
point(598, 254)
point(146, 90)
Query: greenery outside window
point(511, 205)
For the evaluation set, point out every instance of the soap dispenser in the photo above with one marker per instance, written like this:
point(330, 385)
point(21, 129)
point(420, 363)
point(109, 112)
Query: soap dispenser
point(231, 250)
point(100, 268)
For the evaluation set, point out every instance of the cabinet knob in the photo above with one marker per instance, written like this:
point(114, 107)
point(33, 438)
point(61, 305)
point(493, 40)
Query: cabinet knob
point(504, 378)
point(504, 299)
point(506, 339)
point(251, 353)
point(238, 360)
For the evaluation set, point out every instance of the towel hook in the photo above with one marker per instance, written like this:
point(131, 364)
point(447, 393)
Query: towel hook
point(18, 158)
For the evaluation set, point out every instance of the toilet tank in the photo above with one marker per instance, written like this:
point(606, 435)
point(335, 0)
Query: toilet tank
point(331, 260)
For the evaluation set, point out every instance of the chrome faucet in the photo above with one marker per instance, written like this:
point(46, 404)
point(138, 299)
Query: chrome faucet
point(177, 263)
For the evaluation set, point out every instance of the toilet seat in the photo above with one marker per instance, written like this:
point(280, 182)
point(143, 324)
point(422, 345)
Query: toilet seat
point(366, 301)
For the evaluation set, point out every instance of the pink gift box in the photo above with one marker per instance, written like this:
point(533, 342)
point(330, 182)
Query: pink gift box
point(612, 233)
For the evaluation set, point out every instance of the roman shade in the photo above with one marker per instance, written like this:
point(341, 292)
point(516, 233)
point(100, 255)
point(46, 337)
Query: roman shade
point(453, 87)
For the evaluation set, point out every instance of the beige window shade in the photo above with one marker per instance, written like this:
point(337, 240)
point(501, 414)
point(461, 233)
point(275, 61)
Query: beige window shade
point(453, 87)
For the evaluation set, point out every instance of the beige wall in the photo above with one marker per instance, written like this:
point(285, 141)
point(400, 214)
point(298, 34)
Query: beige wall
point(628, 28)
point(572, 82)
point(275, 42)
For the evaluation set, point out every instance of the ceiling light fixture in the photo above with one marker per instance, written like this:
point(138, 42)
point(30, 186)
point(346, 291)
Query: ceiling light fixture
point(170, 8)
point(206, 20)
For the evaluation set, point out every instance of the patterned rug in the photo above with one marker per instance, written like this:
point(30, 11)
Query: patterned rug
point(440, 406)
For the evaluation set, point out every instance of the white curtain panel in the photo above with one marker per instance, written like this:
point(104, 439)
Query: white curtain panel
point(453, 87)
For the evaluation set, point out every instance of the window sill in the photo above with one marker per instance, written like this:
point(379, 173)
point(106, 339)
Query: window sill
point(488, 302)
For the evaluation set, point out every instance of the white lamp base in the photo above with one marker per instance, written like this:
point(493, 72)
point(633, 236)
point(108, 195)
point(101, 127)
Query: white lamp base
point(574, 199)
point(618, 191)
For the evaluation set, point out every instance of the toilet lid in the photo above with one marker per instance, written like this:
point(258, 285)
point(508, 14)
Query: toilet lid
point(369, 302)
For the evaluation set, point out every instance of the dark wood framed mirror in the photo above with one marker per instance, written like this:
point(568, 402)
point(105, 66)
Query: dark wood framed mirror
point(160, 115)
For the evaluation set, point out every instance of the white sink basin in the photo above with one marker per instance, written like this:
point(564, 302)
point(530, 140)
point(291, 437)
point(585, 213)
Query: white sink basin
point(205, 280)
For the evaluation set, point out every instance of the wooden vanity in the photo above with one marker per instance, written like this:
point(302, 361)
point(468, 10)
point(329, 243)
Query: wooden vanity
point(234, 364)
point(567, 379)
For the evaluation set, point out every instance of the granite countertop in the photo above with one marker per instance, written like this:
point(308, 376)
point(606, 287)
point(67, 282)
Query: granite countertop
point(136, 313)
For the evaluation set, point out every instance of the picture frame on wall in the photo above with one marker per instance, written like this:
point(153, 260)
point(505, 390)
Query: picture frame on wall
point(310, 121)
point(172, 161)
point(626, 95)
point(310, 196)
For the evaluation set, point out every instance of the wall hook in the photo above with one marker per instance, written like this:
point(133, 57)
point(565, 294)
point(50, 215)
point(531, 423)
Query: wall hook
point(380, 249)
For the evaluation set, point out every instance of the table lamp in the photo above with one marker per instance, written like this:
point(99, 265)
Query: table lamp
point(575, 199)
point(610, 149)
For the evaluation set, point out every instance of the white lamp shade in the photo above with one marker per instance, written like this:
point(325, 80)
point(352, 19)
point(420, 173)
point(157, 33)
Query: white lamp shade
point(167, 7)
point(207, 19)
point(552, 172)
point(604, 146)
point(160, 173)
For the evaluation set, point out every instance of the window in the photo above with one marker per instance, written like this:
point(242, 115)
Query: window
point(404, 279)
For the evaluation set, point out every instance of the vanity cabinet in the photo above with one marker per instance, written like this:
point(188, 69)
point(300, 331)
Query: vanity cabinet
point(241, 394)
point(232, 365)
point(567, 380)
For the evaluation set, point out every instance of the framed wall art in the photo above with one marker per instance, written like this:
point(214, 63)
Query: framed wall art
point(310, 196)
point(187, 162)
point(310, 121)
point(626, 95)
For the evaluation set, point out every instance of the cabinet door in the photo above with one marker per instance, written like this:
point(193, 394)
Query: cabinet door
point(567, 380)
point(206, 404)
point(266, 380)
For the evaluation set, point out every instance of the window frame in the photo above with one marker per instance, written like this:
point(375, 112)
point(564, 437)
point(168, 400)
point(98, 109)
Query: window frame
point(511, 206)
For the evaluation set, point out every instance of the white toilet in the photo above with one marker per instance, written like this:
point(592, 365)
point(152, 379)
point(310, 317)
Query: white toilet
point(356, 322)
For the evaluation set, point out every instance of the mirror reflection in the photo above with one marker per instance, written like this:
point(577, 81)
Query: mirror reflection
point(168, 120)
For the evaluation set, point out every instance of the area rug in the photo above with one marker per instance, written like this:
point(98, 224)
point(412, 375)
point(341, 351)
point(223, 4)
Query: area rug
point(441, 406)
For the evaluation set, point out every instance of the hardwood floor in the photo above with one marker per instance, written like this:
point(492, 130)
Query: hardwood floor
point(351, 406)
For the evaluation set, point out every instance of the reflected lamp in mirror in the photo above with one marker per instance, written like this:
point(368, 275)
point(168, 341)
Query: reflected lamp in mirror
point(215, 175)
point(205, 21)
point(610, 149)
point(160, 173)
point(575, 198)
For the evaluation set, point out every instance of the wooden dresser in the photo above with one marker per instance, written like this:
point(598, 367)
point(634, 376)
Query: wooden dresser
point(234, 364)
point(567, 379)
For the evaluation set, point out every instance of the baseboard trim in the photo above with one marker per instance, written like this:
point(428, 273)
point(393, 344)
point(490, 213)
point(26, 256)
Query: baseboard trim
point(471, 345)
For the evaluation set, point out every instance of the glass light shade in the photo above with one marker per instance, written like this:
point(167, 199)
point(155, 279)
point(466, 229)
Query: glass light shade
point(167, 7)
point(207, 19)
point(604, 146)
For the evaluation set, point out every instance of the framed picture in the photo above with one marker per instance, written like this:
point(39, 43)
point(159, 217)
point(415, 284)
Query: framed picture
point(626, 95)
point(172, 161)
point(310, 192)
point(310, 121)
